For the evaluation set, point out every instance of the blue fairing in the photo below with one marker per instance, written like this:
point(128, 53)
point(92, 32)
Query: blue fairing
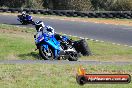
point(22, 19)
point(45, 46)
point(49, 40)
point(29, 17)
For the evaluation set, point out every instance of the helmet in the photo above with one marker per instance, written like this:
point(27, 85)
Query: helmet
point(23, 13)
point(38, 25)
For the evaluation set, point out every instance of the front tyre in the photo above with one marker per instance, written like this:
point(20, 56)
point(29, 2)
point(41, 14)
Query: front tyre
point(46, 54)
point(73, 56)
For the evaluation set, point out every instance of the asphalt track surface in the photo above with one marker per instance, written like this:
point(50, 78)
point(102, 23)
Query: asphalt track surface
point(60, 62)
point(105, 32)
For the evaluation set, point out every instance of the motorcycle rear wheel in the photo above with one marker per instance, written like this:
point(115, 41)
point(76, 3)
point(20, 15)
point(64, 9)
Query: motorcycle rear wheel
point(82, 47)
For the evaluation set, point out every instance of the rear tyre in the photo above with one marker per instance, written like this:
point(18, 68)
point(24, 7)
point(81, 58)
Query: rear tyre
point(46, 54)
point(82, 47)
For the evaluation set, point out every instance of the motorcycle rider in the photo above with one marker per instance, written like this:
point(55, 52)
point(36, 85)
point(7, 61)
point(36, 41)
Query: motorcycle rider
point(41, 27)
point(23, 15)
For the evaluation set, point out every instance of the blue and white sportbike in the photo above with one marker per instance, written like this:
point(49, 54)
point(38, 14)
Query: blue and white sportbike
point(25, 20)
point(52, 49)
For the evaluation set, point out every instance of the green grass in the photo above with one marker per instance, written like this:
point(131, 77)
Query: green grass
point(18, 43)
point(109, 51)
point(17, 29)
point(13, 47)
point(54, 76)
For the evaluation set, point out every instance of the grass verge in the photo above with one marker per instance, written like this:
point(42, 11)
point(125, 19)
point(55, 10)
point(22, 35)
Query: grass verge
point(54, 76)
point(18, 43)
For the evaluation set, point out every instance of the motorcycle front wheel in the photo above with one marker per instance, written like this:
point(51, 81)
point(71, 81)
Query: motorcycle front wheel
point(46, 54)
point(73, 56)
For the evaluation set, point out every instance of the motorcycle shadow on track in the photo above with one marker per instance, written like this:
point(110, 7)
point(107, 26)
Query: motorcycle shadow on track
point(15, 24)
point(31, 54)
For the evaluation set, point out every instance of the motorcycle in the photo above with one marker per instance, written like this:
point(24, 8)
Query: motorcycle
point(52, 49)
point(25, 20)
point(81, 46)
